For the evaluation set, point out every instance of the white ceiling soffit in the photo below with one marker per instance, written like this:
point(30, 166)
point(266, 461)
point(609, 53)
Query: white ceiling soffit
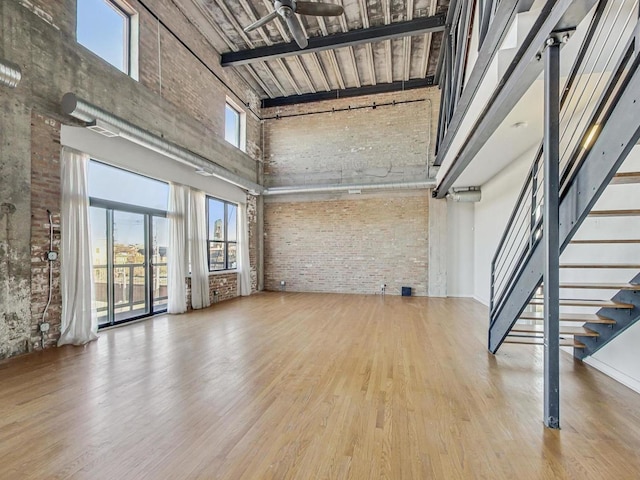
point(387, 61)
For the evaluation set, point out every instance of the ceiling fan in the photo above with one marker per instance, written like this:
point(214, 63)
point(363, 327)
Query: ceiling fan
point(287, 10)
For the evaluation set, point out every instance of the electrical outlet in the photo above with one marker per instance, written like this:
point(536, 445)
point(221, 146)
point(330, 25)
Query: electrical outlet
point(44, 327)
point(282, 283)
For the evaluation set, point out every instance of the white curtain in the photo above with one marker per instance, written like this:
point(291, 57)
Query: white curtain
point(198, 250)
point(244, 268)
point(79, 319)
point(177, 257)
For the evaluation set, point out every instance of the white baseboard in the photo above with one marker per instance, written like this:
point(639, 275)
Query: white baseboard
point(617, 375)
point(483, 301)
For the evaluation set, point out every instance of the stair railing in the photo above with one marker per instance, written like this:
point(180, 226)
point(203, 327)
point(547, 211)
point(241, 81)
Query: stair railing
point(583, 108)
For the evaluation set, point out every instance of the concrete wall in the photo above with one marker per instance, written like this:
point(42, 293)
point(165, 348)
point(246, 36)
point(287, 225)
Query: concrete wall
point(176, 97)
point(460, 249)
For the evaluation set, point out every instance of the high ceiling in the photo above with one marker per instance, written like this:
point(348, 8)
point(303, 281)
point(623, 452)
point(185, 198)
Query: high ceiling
point(371, 63)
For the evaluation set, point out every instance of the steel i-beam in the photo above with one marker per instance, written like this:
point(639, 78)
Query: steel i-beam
point(551, 145)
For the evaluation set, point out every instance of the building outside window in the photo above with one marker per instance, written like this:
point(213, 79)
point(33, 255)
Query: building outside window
point(222, 234)
point(109, 29)
point(234, 125)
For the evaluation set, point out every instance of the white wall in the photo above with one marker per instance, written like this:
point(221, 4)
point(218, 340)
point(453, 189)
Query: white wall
point(620, 358)
point(460, 261)
point(130, 156)
point(490, 218)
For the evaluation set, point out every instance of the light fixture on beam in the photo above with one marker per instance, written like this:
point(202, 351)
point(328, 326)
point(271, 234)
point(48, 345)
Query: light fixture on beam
point(591, 136)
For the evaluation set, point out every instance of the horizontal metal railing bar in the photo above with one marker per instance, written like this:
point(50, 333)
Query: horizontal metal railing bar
point(567, 95)
point(568, 161)
point(124, 305)
point(513, 222)
point(619, 133)
point(521, 262)
point(521, 238)
point(514, 212)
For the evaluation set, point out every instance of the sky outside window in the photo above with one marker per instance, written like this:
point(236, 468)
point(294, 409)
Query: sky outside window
point(216, 220)
point(232, 126)
point(111, 183)
point(103, 29)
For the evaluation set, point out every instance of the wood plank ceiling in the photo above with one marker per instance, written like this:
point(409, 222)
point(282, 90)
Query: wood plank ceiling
point(379, 62)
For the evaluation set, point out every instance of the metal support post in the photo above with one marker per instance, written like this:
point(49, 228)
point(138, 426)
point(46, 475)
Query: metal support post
point(551, 234)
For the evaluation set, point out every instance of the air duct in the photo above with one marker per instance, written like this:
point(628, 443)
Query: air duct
point(102, 121)
point(466, 195)
point(10, 74)
point(339, 187)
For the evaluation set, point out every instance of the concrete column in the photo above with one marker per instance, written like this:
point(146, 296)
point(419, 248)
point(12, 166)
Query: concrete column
point(437, 247)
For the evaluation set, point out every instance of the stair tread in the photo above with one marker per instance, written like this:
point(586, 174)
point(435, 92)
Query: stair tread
point(625, 177)
point(604, 240)
point(601, 265)
point(570, 317)
point(601, 286)
point(585, 303)
point(529, 340)
point(615, 213)
point(564, 330)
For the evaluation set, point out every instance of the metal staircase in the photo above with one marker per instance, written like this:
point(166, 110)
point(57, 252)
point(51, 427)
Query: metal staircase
point(599, 127)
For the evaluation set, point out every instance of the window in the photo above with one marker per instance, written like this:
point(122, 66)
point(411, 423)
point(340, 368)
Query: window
point(108, 28)
point(234, 119)
point(130, 240)
point(222, 234)
point(120, 186)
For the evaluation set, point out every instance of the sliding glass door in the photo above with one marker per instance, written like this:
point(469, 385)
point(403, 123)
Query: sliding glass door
point(129, 261)
point(159, 246)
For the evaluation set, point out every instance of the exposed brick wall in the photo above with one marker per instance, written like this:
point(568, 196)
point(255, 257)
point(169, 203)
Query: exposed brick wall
point(45, 195)
point(348, 141)
point(348, 245)
point(225, 284)
point(180, 78)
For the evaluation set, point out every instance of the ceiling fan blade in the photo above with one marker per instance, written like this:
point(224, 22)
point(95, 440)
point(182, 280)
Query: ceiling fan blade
point(264, 20)
point(298, 33)
point(319, 9)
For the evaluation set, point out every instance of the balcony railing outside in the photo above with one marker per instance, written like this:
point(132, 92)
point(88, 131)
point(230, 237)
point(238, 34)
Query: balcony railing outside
point(130, 290)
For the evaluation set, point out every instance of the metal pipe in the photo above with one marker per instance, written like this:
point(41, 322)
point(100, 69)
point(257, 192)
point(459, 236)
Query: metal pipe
point(10, 74)
point(82, 110)
point(471, 195)
point(339, 187)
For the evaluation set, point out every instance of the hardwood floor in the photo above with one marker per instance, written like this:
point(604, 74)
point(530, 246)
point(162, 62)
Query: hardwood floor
point(309, 386)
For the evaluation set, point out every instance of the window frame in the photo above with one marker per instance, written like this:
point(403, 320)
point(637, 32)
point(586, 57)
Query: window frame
point(130, 40)
point(240, 134)
point(225, 242)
